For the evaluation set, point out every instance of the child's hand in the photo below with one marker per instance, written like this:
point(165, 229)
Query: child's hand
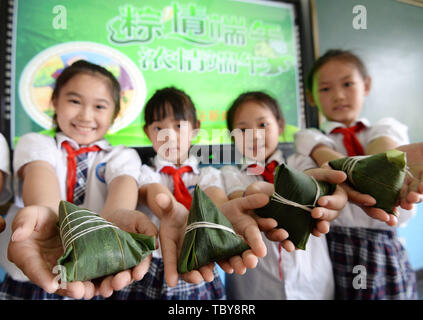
point(412, 190)
point(2, 224)
point(331, 205)
point(172, 229)
point(135, 222)
point(35, 247)
point(240, 214)
point(365, 202)
point(268, 225)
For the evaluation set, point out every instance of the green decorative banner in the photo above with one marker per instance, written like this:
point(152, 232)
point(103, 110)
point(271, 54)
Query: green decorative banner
point(212, 49)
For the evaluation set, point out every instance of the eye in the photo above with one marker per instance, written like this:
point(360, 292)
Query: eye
point(264, 124)
point(324, 89)
point(348, 84)
point(157, 129)
point(100, 107)
point(74, 101)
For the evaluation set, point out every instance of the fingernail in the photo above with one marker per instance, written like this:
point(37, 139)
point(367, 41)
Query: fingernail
point(15, 234)
point(324, 202)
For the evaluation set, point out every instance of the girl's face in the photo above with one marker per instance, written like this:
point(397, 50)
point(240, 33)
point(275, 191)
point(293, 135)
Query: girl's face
point(339, 91)
point(84, 108)
point(172, 138)
point(258, 131)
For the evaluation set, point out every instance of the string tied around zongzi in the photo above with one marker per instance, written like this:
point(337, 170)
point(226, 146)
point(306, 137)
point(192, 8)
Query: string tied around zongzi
point(69, 236)
point(278, 198)
point(349, 165)
point(206, 224)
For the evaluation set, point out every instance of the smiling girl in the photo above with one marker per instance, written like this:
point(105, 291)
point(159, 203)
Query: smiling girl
point(337, 85)
point(77, 165)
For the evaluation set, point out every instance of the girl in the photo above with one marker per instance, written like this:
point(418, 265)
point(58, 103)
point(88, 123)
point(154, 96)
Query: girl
point(170, 124)
point(78, 165)
point(5, 176)
point(338, 84)
point(282, 274)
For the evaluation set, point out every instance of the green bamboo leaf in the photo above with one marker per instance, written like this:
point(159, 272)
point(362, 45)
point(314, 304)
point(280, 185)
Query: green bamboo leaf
point(381, 176)
point(94, 247)
point(204, 245)
point(299, 188)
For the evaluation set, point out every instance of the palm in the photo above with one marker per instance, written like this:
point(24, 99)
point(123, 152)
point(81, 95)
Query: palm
point(171, 233)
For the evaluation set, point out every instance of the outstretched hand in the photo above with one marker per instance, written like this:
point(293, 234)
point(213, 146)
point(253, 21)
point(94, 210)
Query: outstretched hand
point(35, 247)
point(171, 233)
point(329, 205)
point(365, 202)
point(329, 209)
point(135, 222)
point(412, 190)
point(237, 211)
point(240, 213)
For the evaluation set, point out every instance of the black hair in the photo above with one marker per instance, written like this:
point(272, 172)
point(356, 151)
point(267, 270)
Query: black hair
point(256, 96)
point(335, 54)
point(169, 99)
point(85, 67)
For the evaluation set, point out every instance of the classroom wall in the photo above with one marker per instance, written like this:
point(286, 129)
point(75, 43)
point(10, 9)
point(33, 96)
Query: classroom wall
point(392, 47)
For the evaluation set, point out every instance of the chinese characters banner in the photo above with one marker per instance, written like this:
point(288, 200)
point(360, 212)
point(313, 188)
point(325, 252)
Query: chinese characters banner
point(212, 49)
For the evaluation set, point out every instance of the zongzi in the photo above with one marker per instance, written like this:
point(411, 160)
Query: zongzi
point(209, 235)
point(94, 247)
point(295, 195)
point(381, 175)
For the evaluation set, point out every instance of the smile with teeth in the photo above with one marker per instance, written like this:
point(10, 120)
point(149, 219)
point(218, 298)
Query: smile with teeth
point(83, 129)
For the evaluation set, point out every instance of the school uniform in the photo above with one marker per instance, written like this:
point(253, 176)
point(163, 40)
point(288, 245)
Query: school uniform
point(153, 285)
point(355, 239)
point(6, 193)
point(280, 275)
point(102, 167)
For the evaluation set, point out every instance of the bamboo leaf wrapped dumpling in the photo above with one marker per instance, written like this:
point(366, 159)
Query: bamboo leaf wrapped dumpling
point(94, 247)
point(209, 236)
point(381, 175)
point(296, 194)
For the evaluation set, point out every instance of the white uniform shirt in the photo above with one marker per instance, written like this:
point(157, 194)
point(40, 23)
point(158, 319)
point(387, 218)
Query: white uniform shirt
point(6, 193)
point(352, 216)
point(205, 177)
point(103, 167)
point(307, 274)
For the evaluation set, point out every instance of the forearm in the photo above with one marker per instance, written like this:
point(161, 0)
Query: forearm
point(122, 194)
point(380, 144)
point(217, 195)
point(40, 185)
point(322, 154)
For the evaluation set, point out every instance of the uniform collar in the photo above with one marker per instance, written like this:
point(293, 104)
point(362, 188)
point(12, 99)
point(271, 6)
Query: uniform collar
point(328, 126)
point(61, 137)
point(159, 162)
point(276, 156)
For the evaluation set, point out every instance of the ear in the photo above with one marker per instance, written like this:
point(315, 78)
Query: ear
point(196, 129)
point(145, 128)
point(54, 103)
point(367, 85)
point(281, 124)
point(310, 98)
point(197, 124)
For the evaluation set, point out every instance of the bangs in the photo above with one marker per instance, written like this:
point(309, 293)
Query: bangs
point(165, 104)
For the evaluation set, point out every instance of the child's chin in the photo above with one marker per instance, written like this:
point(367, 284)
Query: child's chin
point(170, 157)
